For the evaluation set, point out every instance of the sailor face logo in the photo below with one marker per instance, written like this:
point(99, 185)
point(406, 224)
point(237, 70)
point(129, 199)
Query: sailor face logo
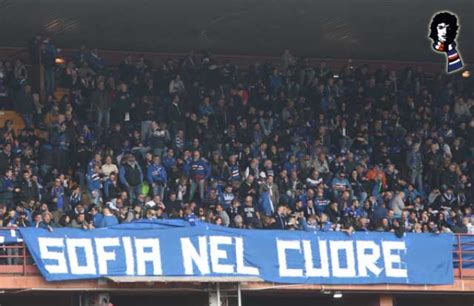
point(443, 31)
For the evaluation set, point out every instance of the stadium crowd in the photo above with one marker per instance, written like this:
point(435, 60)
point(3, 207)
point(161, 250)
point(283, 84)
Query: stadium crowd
point(292, 146)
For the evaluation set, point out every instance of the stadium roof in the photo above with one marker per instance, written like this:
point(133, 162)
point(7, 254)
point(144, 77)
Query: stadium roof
point(361, 29)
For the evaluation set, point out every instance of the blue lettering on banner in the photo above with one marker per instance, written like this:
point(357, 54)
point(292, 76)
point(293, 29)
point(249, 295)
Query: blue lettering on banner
point(274, 256)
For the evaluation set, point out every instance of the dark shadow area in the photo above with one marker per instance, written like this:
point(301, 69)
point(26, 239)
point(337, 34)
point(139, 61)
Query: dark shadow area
point(434, 300)
point(368, 29)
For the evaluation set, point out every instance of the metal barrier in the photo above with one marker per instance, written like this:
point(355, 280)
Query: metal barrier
point(463, 256)
point(15, 258)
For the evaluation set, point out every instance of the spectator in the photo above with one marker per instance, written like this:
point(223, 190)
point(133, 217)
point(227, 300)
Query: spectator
point(285, 143)
point(108, 218)
point(177, 86)
point(93, 180)
point(7, 186)
point(221, 213)
point(109, 167)
point(94, 217)
point(60, 141)
point(25, 105)
point(79, 222)
point(122, 105)
point(267, 206)
point(47, 222)
point(199, 172)
point(131, 175)
point(415, 165)
point(157, 177)
point(27, 189)
point(398, 205)
point(281, 218)
point(102, 103)
point(340, 183)
point(272, 190)
point(158, 138)
point(175, 115)
point(48, 56)
point(250, 214)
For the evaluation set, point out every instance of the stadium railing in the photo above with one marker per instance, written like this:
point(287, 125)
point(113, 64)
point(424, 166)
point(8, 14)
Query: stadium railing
point(463, 256)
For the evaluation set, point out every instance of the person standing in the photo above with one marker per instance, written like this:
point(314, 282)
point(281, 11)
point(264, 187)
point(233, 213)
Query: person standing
point(7, 185)
point(131, 176)
point(157, 177)
point(61, 144)
point(102, 103)
point(199, 171)
point(415, 165)
point(48, 57)
point(158, 137)
point(27, 188)
point(175, 116)
point(25, 106)
point(58, 199)
point(122, 105)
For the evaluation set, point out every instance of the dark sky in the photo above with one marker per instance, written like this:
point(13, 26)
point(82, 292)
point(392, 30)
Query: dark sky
point(362, 29)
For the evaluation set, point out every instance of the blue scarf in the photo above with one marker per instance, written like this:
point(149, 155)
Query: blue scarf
point(454, 59)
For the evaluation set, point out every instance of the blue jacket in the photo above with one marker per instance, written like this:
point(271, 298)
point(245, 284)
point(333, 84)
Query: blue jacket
point(380, 212)
point(308, 227)
point(412, 195)
point(60, 140)
point(58, 193)
point(93, 181)
point(73, 200)
point(304, 199)
point(275, 83)
point(97, 220)
point(226, 199)
point(340, 182)
point(290, 167)
point(29, 215)
point(192, 218)
point(95, 62)
point(326, 226)
point(198, 169)
point(265, 203)
point(156, 174)
point(205, 110)
point(168, 162)
point(6, 183)
point(351, 211)
point(320, 204)
point(234, 172)
point(107, 185)
point(108, 221)
point(415, 160)
point(91, 166)
point(49, 55)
